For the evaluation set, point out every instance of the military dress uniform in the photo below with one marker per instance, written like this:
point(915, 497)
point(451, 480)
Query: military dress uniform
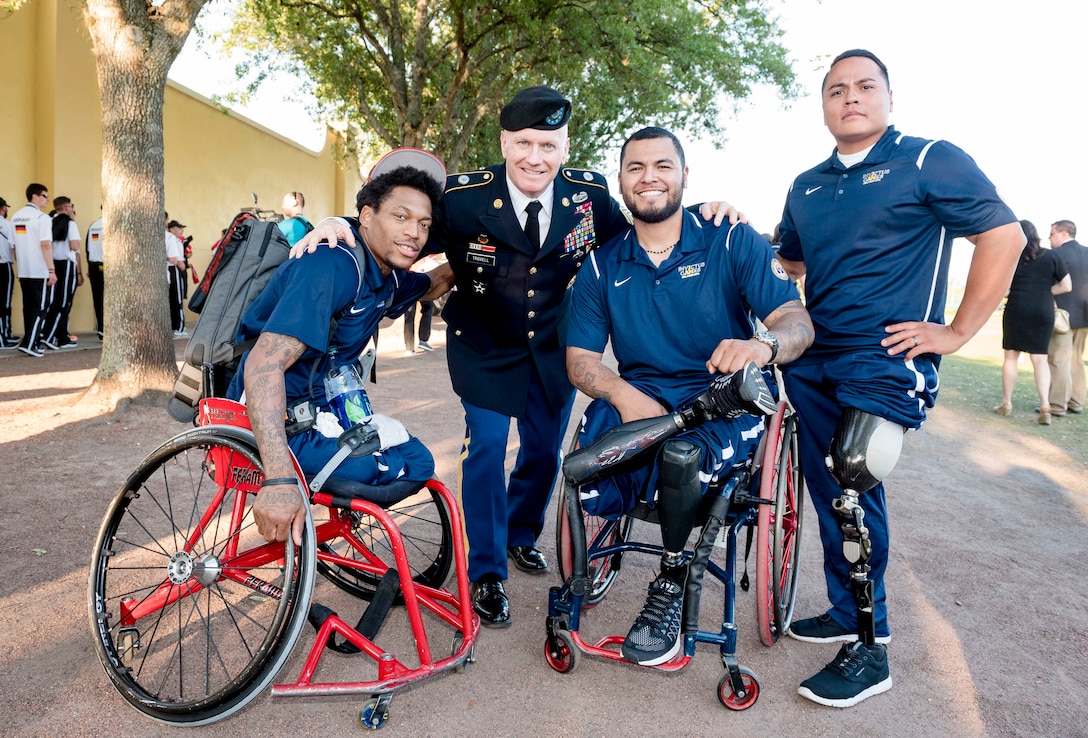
point(505, 324)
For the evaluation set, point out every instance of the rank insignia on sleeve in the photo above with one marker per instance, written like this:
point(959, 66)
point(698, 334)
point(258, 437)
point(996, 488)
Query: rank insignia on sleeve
point(479, 287)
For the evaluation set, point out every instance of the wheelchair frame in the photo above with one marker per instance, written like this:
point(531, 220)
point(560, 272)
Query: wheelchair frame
point(590, 560)
point(179, 568)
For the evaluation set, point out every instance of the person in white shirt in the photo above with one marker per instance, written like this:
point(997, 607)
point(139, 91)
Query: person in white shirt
point(96, 271)
point(66, 240)
point(34, 254)
point(175, 269)
point(7, 276)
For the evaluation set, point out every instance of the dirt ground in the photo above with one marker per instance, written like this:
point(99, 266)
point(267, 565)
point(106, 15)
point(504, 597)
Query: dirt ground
point(986, 586)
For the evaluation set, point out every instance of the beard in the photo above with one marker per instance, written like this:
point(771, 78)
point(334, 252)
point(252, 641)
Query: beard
point(653, 215)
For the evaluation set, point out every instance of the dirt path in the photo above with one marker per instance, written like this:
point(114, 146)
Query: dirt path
point(986, 587)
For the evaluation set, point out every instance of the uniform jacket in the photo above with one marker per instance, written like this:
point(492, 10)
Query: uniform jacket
point(1075, 258)
point(509, 307)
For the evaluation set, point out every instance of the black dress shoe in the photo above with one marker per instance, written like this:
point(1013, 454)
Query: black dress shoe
point(528, 558)
point(490, 602)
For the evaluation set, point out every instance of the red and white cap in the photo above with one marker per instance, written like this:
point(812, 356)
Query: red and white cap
point(424, 161)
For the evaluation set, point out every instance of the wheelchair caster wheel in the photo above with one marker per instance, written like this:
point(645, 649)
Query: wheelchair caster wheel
point(560, 652)
point(470, 658)
point(743, 699)
point(375, 712)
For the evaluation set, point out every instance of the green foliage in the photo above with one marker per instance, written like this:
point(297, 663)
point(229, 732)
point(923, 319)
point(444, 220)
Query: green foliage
point(435, 73)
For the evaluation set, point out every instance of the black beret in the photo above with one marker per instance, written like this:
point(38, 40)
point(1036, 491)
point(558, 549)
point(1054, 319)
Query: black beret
point(535, 107)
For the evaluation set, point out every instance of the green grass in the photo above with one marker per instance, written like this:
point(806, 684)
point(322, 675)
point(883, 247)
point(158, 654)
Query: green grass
point(971, 386)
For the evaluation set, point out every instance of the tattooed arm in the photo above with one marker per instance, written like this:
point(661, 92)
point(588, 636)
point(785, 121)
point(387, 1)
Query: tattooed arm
point(279, 509)
point(589, 374)
point(789, 323)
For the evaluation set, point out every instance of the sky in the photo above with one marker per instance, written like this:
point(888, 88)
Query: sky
point(1002, 80)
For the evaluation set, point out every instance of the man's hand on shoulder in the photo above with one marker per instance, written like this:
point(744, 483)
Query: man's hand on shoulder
point(328, 231)
point(719, 210)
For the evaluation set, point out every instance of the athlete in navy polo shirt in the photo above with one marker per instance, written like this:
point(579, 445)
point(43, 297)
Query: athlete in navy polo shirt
point(291, 319)
point(679, 299)
point(871, 231)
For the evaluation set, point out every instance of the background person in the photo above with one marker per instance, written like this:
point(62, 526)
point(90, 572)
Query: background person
point(294, 224)
point(871, 229)
point(66, 262)
point(7, 277)
point(175, 275)
point(34, 255)
point(1066, 350)
point(1028, 319)
point(96, 271)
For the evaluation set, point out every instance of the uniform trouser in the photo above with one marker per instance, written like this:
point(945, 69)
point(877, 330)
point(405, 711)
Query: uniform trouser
point(894, 389)
point(96, 275)
point(7, 289)
point(496, 515)
point(35, 302)
point(60, 303)
point(1066, 358)
point(426, 310)
point(177, 310)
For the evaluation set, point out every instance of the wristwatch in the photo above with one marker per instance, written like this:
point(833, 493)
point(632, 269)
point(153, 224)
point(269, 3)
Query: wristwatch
point(770, 339)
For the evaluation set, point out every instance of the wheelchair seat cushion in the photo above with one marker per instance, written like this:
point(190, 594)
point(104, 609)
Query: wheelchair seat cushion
point(383, 494)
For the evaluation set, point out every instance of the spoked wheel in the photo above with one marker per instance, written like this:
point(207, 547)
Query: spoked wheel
point(778, 531)
point(193, 613)
point(560, 652)
point(600, 533)
point(739, 700)
point(424, 523)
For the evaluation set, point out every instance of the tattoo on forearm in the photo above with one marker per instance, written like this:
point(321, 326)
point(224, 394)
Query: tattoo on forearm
point(792, 326)
point(266, 398)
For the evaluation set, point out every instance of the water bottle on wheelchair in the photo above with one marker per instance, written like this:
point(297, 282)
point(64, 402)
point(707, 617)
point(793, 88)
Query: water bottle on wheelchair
point(763, 496)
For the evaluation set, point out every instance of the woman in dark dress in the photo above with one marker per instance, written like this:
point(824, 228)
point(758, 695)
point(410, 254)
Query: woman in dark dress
point(1029, 318)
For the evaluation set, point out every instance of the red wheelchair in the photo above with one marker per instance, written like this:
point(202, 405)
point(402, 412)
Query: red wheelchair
point(194, 613)
point(766, 495)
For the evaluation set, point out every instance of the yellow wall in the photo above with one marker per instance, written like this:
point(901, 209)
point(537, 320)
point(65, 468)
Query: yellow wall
point(50, 132)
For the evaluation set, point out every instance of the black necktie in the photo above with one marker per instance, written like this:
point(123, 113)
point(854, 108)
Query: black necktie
point(532, 223)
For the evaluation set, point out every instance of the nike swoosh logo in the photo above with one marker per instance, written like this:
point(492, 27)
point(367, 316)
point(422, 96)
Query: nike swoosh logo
point(810, 190)
point(618, 283)
point(353, 311)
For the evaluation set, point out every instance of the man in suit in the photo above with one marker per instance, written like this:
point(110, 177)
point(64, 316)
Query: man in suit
point(1066, 350)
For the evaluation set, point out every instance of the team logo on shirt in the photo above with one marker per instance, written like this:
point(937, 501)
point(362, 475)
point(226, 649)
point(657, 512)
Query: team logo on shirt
point(874, 176)
point(690, 270)
point(778, 270)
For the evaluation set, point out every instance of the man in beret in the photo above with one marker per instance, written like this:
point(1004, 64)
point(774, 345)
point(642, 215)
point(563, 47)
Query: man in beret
point(515, 234)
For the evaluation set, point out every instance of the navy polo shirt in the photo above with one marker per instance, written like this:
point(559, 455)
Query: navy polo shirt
point(876, 238)
point(666, 321)
point(303, 297)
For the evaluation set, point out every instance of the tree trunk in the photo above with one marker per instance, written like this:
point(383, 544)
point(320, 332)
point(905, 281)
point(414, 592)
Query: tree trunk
point(134, 45)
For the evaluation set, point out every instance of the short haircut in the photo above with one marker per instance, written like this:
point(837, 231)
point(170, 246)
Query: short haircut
point(652, 132)
point(1067, 226)
point(35, 189)
point(850, 54)
point(299, 199)
point(374, 192)
point(60, 202)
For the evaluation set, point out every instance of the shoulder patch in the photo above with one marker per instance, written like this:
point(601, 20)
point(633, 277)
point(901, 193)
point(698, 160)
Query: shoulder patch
point(584, 177)
point(468, 180)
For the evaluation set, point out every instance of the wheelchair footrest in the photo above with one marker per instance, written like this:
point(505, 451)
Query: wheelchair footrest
point(372, 619)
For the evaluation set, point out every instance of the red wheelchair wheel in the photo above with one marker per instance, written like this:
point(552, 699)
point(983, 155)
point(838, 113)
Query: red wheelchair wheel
point(733, 700)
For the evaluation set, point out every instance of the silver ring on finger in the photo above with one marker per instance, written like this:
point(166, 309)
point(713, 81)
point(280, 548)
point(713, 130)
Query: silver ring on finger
point(915, 339)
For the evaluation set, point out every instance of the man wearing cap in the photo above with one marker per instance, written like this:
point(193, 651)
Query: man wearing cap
point(7, 276)
point(34, 252)
point(291, 321)
point(175, 272)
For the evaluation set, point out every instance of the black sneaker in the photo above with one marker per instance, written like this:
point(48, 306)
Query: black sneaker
point(50, 343)
point(857, 673)
point(655, 636)
point(32, 351)
point(824, 629)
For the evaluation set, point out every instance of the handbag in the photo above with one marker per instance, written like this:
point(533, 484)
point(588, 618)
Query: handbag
point(1061, 321)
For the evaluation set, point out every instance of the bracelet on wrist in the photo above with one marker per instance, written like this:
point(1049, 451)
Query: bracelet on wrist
point(279, 480)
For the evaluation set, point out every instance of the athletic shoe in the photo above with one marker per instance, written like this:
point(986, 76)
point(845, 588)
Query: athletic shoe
point(32, 351)
point(655, 636)
point(425, 346)
point(409, 352)
point(824, 629)
point(181, 334)
point(7, 344)
point(857, 673)
point(73, 338)
point(69, 345)
point(50, 343)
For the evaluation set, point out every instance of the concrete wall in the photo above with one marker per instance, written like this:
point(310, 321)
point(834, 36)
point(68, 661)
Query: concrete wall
point(50, 132)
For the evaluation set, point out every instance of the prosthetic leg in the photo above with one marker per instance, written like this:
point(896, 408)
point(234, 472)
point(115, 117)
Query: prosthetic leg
point(864, 449)
point(679, 499)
